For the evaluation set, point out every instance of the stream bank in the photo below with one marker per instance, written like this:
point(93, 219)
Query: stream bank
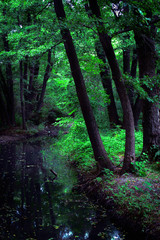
point(35, 205)
point(114, 196)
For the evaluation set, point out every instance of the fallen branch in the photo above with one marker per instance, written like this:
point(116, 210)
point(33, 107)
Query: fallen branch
point(55, 174)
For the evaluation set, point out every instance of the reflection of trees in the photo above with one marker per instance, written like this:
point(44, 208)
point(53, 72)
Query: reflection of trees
point(34, 197)
point(27, 218)
point(7, 183)
point(36, 207)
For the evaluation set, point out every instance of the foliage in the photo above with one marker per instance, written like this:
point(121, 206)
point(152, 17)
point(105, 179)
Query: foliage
point(76, 145)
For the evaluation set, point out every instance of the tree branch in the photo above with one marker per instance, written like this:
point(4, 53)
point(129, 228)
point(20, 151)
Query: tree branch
point(44, 8)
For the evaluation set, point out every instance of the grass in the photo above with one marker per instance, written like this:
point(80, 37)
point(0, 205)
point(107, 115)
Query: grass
point(136, 195)
point(77, 147)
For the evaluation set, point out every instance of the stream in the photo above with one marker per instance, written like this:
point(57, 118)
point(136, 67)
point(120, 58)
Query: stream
point(35, 205)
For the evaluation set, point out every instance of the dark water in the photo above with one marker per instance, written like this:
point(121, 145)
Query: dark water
point(34, 206)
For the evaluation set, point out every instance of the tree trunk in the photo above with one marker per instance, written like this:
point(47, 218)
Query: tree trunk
point(137, 109)
point(134, 64)
point(31, 93)
point(117, 77)
point(93, 132)
point(22, 96)
point(151, 123)
point(107, 85)
point(9, 82)
point(126, 61)
point(3, 100)
point(4, 119)
point(126, 70)
point(45, 79)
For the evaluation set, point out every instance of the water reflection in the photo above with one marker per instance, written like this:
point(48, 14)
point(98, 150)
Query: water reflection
point(35, 207)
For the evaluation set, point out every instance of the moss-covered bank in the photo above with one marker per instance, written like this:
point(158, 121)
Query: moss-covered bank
point(132, 202)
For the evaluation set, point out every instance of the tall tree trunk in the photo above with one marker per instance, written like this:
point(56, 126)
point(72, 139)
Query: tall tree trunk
point(3, 100)
point(9, 81)
point(22, 96)
point(126, 69)
point(137, 107)
point(107, 85)
point(117, 77)
point(126, 61)
point(151, 123)
point(3, 112)
point(106, 79)
point(45, 79)
point(93, 132)
point(31, 93)
point(134, 64)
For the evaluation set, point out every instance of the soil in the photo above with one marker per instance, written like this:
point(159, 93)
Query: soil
point(16, 134)
point(131, 207)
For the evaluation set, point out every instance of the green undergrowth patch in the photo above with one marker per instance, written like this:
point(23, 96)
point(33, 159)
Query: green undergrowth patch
point(137, 198)
point(76, 146)
point(136, 194)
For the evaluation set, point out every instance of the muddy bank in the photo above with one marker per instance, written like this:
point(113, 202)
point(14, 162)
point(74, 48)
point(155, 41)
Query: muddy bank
point(134, 219)
point(16, 134)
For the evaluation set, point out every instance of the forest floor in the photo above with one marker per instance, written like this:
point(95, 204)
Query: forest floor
point(132, 201)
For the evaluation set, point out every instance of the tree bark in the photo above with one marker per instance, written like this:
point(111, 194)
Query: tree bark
point(107, 85)
point(9, 82)
point(31, 93)
point(93, 132)
point(134, 64)
point(3, 100)
point(45, 79)
point(126, 61)
point(137, 109)
point(117, 77)
point(22, 96)
point(151, 122)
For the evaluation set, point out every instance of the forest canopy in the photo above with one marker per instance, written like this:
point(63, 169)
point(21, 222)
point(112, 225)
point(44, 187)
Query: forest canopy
point(95, 62)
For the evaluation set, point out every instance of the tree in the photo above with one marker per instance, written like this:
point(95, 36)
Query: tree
point(22, 96)
point(107, 84)
point(117, 77)
point(143, 17)
point(45, 79)
point(151, 124)
point(97, 145)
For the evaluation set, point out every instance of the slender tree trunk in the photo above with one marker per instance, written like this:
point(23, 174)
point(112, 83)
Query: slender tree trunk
point(3, 100)
point(117, 77)
point(31, 93)
point(137, 107)
point(134, 64)
point(45, 79)
point(93, 132)
point(22, 96)
point(107, 85)
point(9, 80)
point(126, 69)
point(25, 74)
point(126, 61)
point(151, 122)
point(3, 112)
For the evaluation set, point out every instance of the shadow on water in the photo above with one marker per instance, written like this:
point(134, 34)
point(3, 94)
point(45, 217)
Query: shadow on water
point(33, 206)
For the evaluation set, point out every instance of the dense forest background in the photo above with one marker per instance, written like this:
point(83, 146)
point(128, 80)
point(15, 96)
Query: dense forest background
point(92, 65)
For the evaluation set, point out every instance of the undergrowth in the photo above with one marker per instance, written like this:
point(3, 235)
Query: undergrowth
point(136, 194)
point(77, 147)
